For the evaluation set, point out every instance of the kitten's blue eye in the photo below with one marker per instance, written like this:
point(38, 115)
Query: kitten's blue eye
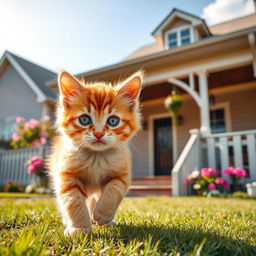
point(85, 120)
point(113, 121)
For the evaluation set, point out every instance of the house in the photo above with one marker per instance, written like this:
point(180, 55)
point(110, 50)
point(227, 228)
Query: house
point(23, 92)
point(214, 69)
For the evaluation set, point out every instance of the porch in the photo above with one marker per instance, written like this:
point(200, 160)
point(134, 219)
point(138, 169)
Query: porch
point(219, 95)
point(217, 151)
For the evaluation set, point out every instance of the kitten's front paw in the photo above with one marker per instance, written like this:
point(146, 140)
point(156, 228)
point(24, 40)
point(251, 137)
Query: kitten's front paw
point(101, 219)
point(71, 231)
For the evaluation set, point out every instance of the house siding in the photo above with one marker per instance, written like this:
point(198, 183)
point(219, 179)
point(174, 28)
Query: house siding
point(140, 152)
point(242, 108)
point(16, 97)
point(139, 149)
point(242, 114)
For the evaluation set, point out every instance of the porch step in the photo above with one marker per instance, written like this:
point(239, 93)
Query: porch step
point(151, 186)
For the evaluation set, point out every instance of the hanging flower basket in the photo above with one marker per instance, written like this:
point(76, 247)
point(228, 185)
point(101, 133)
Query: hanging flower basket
point(173, 103)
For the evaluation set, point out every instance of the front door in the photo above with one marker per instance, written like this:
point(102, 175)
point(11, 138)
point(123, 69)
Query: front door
point(163, 155)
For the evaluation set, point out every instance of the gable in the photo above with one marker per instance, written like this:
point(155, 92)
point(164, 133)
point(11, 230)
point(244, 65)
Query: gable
point(36, 77)
point(175, 23)
point(39, 75)
point(16, 98)
point(178, 15)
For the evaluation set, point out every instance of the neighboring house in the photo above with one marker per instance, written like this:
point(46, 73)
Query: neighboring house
point(23, 92)
point(214, 68)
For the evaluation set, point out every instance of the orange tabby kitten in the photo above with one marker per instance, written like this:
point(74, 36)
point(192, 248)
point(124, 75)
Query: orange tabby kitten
point(91, 162)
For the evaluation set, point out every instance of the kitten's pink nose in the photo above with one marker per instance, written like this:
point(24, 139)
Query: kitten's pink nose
point(98, 135)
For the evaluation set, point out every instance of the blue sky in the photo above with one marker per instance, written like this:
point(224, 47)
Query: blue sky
point(83, 35)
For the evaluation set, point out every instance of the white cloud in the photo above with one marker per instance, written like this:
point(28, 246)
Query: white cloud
point(223, 10)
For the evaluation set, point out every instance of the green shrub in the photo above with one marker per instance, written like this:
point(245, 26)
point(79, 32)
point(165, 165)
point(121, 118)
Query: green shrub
point(13, 187)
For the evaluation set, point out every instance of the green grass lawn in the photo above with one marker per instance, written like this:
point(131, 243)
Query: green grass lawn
point(151, 226)
point(21, 195)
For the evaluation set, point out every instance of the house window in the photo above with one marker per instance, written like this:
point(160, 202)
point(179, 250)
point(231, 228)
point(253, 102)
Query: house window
point(185, 36)
point(217, 120)
point(173, 40)
point(178, 37)
point(7, 128)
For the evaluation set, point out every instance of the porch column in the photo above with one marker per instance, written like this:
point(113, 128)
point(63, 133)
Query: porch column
point(252, 42)
point(204, 110)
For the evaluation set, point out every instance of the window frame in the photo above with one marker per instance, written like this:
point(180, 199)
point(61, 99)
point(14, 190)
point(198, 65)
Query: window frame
point(227, 116)
point(178, 32)
point(5, 124)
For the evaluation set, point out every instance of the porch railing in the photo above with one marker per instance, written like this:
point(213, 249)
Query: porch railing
point(232, 149)
point(189, 158)
point(217, 151)
point(12, 164)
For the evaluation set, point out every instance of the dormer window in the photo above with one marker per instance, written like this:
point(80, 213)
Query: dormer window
point(180, 28)
point(185, 36)
point(178, 37)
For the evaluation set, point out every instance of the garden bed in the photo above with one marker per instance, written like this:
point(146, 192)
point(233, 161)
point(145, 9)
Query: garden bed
point(147, 226)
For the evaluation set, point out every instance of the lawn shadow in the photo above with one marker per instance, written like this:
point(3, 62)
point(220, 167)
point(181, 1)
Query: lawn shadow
point(181, 240)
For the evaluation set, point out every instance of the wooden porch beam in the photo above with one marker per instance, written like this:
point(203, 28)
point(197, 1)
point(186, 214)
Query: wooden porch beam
point(188, 89)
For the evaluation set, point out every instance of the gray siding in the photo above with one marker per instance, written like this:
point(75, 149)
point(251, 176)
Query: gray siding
point(16, 97)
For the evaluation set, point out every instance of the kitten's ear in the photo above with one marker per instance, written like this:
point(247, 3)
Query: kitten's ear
point(68, 86)
point(131, 87)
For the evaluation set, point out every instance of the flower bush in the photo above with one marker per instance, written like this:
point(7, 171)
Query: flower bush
point(235, 174)
point(13, 187)
point(207, 181)
point(35, 165)
point(32, 132)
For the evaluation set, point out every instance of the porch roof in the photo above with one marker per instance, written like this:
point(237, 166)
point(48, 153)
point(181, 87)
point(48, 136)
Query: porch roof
point(235, 41)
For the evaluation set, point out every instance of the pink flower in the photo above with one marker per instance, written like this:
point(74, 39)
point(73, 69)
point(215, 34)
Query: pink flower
point(229, 170)
point(43, 140)
point(35, 158)
point(223, 182)
point(31, 169)
point(207, 172)
point(46, 118)
point(211, 186)
point(186, 182)
point(32, 123)
point(27, 125)
point(239, 172)
point(20, 119)
point(220, 181)
point(37, 163)
point(15, 136)
point(9, 182)
point(43, 134)
point(36, 143)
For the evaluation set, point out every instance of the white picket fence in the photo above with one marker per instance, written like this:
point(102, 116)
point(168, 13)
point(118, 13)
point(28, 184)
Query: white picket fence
point(12, 164)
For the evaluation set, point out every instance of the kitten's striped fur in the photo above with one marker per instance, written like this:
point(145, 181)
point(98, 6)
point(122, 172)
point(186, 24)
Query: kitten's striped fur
point(90, 165)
